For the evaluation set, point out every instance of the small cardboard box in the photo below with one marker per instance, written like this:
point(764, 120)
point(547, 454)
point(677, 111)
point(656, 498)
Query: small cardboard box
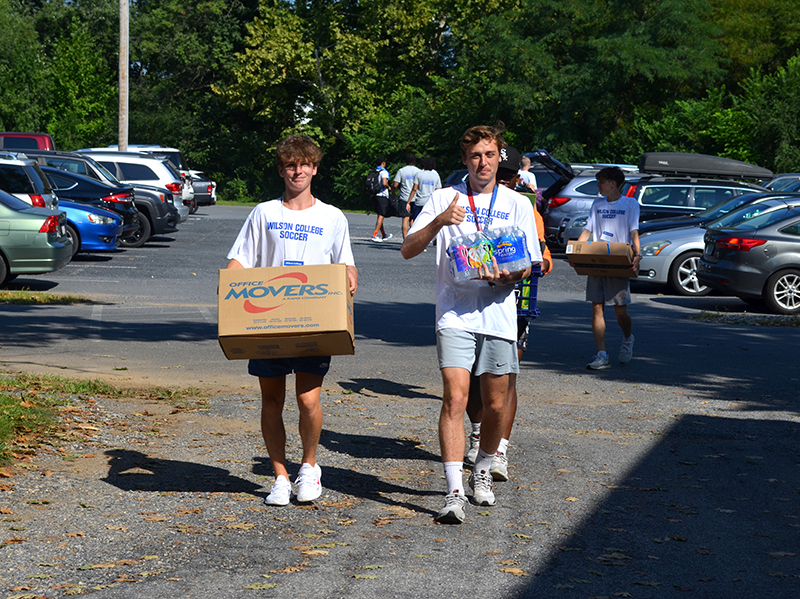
point(601, 258)
point(285, 312)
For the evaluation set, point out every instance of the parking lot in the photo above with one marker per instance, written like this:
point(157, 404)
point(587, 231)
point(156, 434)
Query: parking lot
point(675, 475)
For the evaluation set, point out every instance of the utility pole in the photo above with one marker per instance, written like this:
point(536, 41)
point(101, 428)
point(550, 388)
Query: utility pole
point(124, 68)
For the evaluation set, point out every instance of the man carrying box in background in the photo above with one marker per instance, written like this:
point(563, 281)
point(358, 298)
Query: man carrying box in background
point(476, 319)
point(613, 218)
point(296, 229)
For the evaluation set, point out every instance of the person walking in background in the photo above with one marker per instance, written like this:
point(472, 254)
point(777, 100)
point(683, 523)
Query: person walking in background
point(508, 175)
point(426, 182)
point(613, 217)
point(526, 178)
point(404, 179)
point(476, 318)
point(261, 242)
point(381, 201)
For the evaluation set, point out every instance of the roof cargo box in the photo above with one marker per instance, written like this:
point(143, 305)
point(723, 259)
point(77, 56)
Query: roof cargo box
point(700, 165)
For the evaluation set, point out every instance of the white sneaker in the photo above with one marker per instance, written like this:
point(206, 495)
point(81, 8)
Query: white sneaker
point(309, 485)
point(600, 362)
point(280, 493)
point(499, 469)
point(481, 485)
point(626, 351)
point(377, 238)
point(453, 510)
point(472, 451)
point(388, 236)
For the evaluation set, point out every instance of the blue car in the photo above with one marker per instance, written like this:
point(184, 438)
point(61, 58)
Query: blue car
point(90, 228)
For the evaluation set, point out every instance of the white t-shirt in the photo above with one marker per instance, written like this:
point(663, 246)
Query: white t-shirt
point(476, 306)
point(428, 181)
point(527, 177)
point(273, 234)
point(613, 221)
point(384, 177)
point(405, 177)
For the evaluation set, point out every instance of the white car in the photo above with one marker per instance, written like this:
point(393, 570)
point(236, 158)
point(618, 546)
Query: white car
point(146, 169)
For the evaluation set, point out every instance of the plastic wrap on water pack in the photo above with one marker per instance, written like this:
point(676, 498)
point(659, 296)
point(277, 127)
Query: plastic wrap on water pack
point(468, 253)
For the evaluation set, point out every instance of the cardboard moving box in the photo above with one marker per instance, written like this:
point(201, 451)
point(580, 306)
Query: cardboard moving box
point(285, 312)
point(601, 258)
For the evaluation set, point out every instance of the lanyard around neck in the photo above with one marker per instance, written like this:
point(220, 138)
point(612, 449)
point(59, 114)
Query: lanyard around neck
point(472, 204)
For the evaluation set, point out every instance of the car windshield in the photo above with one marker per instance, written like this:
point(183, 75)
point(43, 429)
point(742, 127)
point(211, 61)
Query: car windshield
point(12, 202)
point(723, 208)
point(172, 170)
point(754, 216)
point(14, 180)
point(106, 173)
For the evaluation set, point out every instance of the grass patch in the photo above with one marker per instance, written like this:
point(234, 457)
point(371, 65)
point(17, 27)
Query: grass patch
point(23, 418)
point(761, 320)
point(25, 296)
point(28, 406)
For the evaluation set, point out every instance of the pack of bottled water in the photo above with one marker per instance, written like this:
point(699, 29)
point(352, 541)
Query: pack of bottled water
point(468, 253)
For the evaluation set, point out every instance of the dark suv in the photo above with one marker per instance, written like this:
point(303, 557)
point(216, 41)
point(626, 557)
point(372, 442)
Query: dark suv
point(154, 204)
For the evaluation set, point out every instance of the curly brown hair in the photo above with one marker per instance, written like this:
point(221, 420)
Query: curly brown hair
point(298, 148)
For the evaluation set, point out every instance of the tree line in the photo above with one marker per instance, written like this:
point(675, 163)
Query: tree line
point(588, 80)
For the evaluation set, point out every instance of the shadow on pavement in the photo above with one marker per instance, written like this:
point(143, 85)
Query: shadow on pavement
point(711, 511)
point(136, 471)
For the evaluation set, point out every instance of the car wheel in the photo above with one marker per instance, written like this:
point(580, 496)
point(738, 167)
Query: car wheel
point(4, 277)
point(192, 206)
point(137, 237)
point(72, 233)
point(782, 292)
point(683, 275)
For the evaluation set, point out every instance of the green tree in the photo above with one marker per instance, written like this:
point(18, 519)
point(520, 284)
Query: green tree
point(84, 96)
point(23, 82)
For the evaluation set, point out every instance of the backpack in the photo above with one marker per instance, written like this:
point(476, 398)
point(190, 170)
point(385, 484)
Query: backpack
point(373, 183)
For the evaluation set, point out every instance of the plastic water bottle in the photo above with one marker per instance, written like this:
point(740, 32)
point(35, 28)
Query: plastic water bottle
point(469, 252)
point(511, 251)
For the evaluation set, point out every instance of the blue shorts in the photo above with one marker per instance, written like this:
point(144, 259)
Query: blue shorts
point(272, 368)
point(415, 210)
point(476, 352)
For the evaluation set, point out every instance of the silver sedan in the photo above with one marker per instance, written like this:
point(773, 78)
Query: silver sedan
point(671, 257)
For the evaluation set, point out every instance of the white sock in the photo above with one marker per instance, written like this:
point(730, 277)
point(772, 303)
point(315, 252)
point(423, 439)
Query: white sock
point(454, 476)
point(603, 353)
point(503, 447)
point(476, 429)
point(483, 462)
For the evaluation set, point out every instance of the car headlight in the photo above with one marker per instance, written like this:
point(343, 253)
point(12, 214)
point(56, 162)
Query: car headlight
point(654, 248)
point(580, 222)
point(101, 220)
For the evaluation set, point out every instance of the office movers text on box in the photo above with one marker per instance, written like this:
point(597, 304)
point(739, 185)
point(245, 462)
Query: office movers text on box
point(285, 312)
point(601, 258)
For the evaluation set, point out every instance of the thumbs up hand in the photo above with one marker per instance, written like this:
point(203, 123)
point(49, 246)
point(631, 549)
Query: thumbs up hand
point(454, 214)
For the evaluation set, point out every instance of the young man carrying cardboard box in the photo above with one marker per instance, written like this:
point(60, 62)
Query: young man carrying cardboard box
point(269, 237)
point(476, 319)
point(613, 218)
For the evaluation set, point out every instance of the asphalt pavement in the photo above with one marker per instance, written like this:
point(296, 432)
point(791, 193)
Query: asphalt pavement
point(675, 475)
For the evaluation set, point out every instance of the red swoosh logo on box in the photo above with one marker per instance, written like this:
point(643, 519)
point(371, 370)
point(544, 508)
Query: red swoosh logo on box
point(253, 309)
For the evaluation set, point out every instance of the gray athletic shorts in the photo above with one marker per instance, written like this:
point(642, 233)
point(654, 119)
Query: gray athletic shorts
point(614, 291)
point(475, 352)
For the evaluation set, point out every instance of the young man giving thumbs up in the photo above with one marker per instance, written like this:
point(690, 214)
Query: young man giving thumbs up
point(476, 320)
